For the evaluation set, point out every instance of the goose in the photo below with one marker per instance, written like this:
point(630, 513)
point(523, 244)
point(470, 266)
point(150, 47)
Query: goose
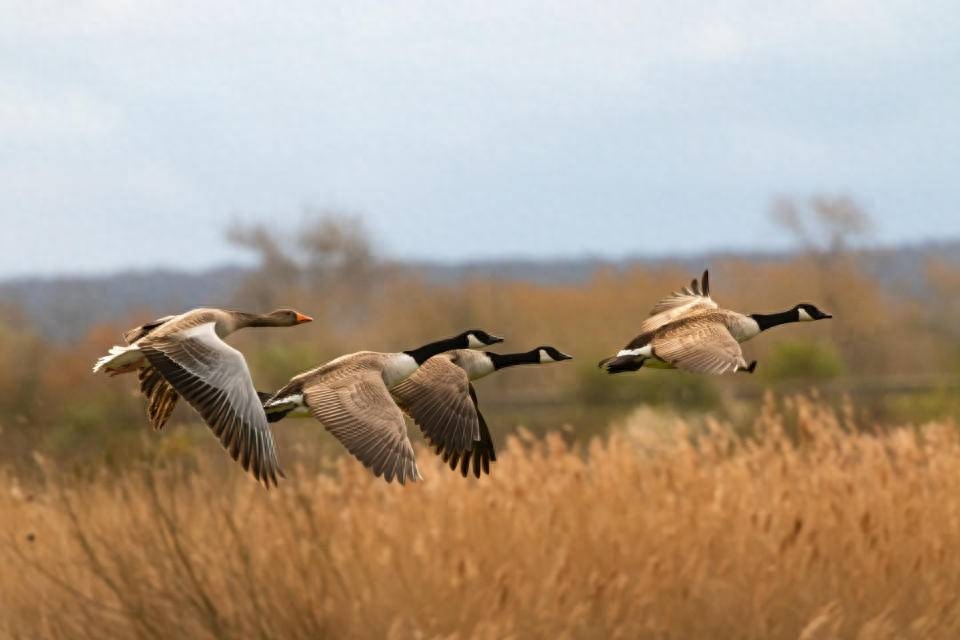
point(441, 400)
point(185, 355)
point(350, 397)
point(688, 330)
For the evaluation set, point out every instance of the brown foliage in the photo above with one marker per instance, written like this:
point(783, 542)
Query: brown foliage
point(896, 354)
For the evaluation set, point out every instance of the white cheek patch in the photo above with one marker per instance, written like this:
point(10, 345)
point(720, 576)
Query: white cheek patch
point(544, 356)
point(804, 316)
point(473, 342)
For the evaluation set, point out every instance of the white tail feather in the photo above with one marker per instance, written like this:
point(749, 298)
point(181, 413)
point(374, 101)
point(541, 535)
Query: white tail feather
point(117, 356)
point(289, 402)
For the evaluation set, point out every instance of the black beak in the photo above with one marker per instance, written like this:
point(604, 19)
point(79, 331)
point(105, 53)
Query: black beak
point(826, 316)
point(564, 356)
point(494, 339)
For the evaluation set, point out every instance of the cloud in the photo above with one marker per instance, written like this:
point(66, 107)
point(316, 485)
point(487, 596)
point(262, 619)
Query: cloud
point(423, 113)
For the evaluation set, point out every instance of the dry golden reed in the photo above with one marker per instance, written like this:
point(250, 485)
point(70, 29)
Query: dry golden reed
point(806, 529)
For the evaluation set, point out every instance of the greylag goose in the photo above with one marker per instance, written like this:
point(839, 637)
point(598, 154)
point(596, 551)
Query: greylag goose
point(185, 355)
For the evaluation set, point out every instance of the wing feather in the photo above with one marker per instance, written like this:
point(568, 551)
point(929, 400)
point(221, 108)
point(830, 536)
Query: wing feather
point(437, 397)
point(161, 397)
point(692, 298)
point(359, 411)
point(701, 345)
point(213, 378)
point(483, 452)
point(136, 333)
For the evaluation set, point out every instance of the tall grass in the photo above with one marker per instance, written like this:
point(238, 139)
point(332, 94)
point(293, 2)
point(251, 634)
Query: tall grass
point(810, 528)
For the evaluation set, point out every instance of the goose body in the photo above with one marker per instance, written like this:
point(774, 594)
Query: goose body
point(351, 397)
point(440, 398)
point(688, 330)
point(185, 355)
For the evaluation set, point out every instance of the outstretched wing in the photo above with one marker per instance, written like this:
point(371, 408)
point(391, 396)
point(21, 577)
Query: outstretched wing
point(359, 411)
point(694, 297)
point(213, 377)
point(161, 398)
point(704, 346)
point(437, 397)
point(483, 452)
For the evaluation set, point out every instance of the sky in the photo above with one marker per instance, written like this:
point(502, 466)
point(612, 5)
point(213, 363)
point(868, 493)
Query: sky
point(133, 133)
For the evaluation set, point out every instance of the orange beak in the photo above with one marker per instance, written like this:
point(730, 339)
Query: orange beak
point(302, 318)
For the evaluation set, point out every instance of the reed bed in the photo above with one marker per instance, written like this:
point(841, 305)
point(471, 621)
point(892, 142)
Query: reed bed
point(809, 527)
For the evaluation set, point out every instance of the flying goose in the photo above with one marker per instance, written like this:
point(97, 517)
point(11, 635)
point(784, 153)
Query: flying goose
point(688, 330)
point(440, 398)
point(350, 397)
point(185, 355)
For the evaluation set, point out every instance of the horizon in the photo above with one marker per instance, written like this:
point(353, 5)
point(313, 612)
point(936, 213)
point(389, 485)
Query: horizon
point(245, 264)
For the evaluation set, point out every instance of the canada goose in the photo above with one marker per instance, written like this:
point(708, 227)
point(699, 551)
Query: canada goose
point(185, 355)
point(440, 398)
point(350, 397)
point(688, 330)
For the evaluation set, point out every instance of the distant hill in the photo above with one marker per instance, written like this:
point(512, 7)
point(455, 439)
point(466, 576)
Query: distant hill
point(900, 266)
point(85, 301)
point(65, 307)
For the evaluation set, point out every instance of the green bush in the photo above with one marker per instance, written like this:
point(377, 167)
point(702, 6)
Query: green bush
point(800, 360)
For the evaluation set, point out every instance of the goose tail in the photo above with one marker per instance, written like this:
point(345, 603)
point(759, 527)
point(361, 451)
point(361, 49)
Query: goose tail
point(621, 364)
point(279, 404)
point(119, 360)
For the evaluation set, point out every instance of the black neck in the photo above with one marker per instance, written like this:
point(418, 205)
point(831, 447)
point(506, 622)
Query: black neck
point(427, 351)
point(767, 320)
point(501, 361)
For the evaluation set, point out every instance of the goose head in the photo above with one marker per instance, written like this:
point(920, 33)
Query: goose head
point(286, 318)
point(477, 339)
point(808, 312)
point(551, 354)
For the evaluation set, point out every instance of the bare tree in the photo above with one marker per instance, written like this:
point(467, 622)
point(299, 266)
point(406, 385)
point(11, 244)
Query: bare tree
point(276, 269)
point(329, 254)
point(825, 225)
point(337, 247)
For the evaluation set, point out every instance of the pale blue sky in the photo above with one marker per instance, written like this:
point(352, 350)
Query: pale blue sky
point(132, 133)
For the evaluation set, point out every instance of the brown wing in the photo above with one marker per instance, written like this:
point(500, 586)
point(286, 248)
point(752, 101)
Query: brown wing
point(437, 397)
point(692, 298)
point(359, 411)
point(136, 333)
point(213, 377)
point(700, 345)
point(161, 398)
point(483, 452)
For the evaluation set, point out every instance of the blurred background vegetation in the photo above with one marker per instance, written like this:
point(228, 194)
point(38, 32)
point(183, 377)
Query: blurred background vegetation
point(893, 345)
